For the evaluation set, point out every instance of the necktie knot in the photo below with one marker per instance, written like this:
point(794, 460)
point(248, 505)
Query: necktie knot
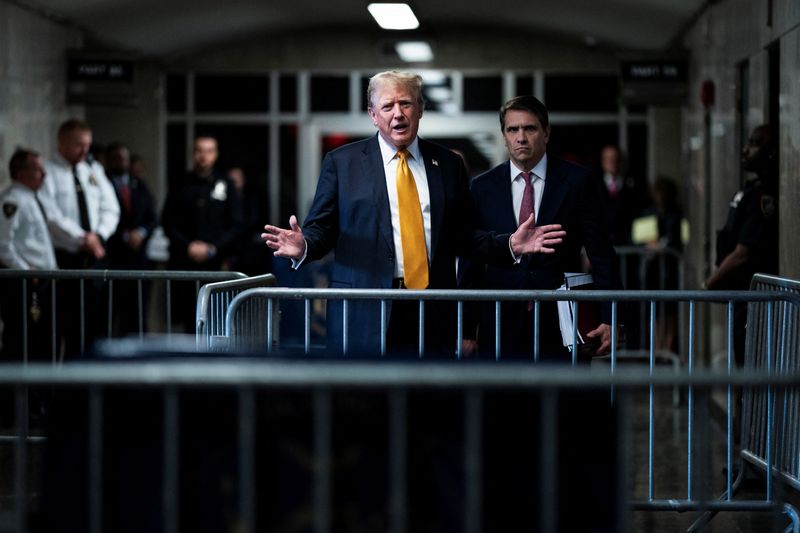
point(402, 154)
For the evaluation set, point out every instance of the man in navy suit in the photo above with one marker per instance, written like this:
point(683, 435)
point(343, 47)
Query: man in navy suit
point(356, 213)
point(536, 187)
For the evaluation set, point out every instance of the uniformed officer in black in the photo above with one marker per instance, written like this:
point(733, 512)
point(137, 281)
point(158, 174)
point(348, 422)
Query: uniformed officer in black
point(748, 243)
point(202, 218)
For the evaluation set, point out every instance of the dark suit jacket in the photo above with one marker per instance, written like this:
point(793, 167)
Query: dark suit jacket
point(141, 215)
point(350, 215)
point(571, 198)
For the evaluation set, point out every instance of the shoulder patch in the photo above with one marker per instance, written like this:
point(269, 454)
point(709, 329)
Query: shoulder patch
point(9, 209)
point(769, 206)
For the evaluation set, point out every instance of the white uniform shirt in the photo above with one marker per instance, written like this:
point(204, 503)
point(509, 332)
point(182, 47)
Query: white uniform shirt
point(24, 239)
point(417, 167)
point(60, 202)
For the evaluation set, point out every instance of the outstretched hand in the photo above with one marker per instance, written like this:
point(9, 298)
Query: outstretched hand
point(532, 239)
point(288, 243)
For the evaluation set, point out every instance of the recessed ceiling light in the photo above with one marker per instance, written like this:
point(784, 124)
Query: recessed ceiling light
point(394, 16)
point(414, 51)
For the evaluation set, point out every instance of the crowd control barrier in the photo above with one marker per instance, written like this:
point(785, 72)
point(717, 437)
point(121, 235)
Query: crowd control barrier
point(106, 280)
point(770, 419)
point(212, 303)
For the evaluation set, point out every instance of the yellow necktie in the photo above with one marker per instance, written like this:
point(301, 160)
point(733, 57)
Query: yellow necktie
point(412, 232)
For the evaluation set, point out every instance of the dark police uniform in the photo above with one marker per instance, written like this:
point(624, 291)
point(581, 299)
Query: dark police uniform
point(208, 209)
point(752, 222)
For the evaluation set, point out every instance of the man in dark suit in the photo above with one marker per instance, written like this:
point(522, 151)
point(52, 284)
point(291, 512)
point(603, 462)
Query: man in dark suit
point(533, 186)
point(380, 239)
point(127, 247)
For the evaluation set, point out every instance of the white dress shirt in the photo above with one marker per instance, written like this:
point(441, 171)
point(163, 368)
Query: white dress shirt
point(61, 202)
point(24, 239)
point(518, 187)
point(417, 167)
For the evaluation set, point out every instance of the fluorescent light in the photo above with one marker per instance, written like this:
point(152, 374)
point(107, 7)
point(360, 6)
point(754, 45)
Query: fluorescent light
point(394, 16)
point(414, 51)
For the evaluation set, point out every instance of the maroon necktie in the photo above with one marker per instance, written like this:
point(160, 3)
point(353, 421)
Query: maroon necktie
point(125, 197)
point(526, 207)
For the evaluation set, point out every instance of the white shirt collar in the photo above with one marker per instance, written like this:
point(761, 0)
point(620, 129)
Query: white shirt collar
point(540, 169)
point(388, 152)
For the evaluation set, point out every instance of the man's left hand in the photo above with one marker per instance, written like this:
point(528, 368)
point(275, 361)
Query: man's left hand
point(603, 332)
point(532, 239)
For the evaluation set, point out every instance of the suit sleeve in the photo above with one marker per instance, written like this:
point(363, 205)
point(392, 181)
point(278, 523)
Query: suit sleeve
point(321, 228)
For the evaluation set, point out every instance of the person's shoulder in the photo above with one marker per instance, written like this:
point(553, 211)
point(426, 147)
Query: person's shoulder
point(491, 175)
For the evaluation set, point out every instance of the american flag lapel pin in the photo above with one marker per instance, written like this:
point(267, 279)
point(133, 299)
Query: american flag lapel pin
point(435, 162)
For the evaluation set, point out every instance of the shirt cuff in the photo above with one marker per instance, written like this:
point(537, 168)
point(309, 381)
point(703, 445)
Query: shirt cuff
point(297, 262)
point(515, 257)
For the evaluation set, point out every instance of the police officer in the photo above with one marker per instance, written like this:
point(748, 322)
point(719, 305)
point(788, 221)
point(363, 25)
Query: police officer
point(24, 244)
point(203, 220)
point(80, 203)
point(82, 214)
point(748, 243)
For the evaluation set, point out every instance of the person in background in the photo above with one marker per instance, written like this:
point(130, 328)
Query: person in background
point(661, 270)
point(622, 197)
point(203, 220)
point(82, 213)
point(78, 200)
point(748, 243)
point(128, 246)
point(25, 245)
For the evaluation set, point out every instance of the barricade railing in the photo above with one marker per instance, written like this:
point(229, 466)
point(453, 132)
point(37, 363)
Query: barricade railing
point(212, 303)
point(107, 278)
point(643, 268)
point(774, 328)
point(322, 379)
point(770, 418)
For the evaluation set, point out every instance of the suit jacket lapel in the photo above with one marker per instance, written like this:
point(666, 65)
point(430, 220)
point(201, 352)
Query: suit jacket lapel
point(436, 192)
point(554, 191)
point(504, 200)
point(374, 172)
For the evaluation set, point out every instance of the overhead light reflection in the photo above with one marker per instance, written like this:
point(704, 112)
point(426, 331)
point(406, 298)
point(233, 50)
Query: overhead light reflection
point(394, 16)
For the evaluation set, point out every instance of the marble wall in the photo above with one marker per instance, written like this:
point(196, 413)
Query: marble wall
point(727, 35)
point(33, 72)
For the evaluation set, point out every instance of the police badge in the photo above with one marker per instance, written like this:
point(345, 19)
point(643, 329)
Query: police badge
point(92, 180)
point(768, 206)
point(220, 192)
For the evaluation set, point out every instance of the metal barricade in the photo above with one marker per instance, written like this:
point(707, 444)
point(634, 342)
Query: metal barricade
point(107, 278)
point(247, 379)
point(785, 320)
point(770, 417)
point(212, 303)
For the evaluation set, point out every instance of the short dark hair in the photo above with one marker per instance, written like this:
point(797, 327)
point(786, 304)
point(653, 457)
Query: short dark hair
point(527, 103)
point(72, 125)
point(20, 160)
